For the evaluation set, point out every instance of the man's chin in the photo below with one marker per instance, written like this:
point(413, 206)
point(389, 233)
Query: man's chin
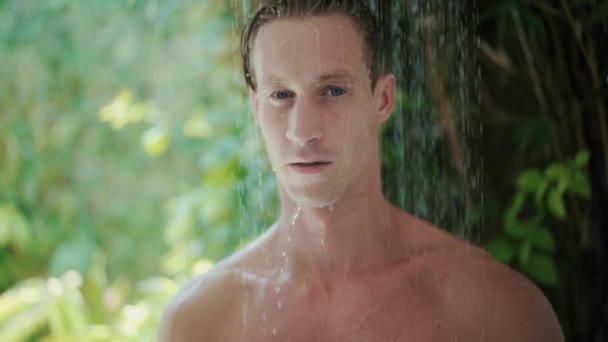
point(314, 199)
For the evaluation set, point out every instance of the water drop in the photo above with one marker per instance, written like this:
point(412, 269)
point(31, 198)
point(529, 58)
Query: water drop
point(279, 305)
point(277, 289)
point(274, 331)
point(295, 216)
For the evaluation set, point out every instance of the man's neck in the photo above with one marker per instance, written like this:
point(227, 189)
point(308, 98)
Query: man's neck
point(357, 235)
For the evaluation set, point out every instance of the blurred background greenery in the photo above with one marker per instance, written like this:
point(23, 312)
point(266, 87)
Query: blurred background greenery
point(129, 161)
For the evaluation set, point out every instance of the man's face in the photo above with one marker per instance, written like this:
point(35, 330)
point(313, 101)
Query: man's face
point(315, 107)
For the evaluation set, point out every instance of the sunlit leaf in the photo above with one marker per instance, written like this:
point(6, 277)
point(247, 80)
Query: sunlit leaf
point(155, 141)
point(197, 128)
point(122, 110)
point(14, 228)
point(557, 171)
point(555, 203)
point(530, 180)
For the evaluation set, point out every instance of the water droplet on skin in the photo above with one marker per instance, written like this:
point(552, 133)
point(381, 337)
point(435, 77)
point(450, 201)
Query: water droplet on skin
point(274, 331)
point(295, 216)
point(279, 305)
point(284, 254)
point(277, 289)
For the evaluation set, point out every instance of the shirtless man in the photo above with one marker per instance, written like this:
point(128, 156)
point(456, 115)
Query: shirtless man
point(341, 263)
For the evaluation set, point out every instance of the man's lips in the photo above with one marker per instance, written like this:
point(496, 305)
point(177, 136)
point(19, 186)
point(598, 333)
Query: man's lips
point(310, 163)
point(309, 167)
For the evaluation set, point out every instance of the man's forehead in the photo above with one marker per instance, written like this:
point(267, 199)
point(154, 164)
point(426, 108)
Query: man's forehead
point(324, 47)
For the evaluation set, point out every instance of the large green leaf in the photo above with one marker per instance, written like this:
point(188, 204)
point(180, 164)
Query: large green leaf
point(579, 184)
point(555, 203)
point(525, 249)
point(501, 249)
point(530, 180)
point(74, 254)
point(582, 159)
point(557, 171)
point(541, 268)
point(543, 239)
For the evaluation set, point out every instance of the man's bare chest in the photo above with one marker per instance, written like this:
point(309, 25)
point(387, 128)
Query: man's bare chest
point(377, 312)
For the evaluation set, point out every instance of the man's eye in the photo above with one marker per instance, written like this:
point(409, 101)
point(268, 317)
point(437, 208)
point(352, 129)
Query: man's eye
point(335, 91)
point(281, 95)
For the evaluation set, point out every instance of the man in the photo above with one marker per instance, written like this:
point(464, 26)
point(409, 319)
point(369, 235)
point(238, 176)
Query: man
point(341, 263)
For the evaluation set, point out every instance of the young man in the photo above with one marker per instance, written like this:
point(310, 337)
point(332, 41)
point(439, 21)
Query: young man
point(341, 263)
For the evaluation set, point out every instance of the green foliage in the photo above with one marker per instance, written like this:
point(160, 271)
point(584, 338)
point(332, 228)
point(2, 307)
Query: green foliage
point(526, 239)
point(129, 160)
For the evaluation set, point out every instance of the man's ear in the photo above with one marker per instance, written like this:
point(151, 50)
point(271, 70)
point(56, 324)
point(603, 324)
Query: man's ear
point(384, 96)
point(253, 101)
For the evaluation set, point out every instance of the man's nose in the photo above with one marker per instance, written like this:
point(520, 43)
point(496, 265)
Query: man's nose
point(305, 122)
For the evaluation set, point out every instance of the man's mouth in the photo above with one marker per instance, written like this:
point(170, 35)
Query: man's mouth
point(311, 163)
point(309, 167)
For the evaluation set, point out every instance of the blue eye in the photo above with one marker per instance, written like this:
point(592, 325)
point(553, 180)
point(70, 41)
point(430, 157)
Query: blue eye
point(281, 95)
point(335, 91)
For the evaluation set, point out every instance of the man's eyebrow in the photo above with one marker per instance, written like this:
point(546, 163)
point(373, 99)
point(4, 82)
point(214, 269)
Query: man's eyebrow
point(335, 74)
point(340, 75)
point(271, 80)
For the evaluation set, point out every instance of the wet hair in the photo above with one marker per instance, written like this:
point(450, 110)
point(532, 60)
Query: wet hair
point(361, 15)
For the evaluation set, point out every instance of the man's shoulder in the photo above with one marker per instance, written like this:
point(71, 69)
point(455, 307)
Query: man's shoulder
point(481, 297)
point(196, 311)
point(488, 300)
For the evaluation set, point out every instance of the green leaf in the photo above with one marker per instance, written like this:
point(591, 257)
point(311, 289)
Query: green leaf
point(540, 192)
point(5, 226)
point(524, 251)
point(74, 254)
point(557, 171)
point(543, 239)
point(515, 230)
point(579, 184)
point(541, 268)
point(501, 249)
point(513, 211)
point(555, 202)
point(582, 159)
point(530, 180)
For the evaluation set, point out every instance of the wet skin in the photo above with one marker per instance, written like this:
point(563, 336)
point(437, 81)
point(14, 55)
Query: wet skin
point(341, 263)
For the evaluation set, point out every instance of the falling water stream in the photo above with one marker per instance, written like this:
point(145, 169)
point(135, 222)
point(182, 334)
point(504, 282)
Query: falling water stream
point(431, 165)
